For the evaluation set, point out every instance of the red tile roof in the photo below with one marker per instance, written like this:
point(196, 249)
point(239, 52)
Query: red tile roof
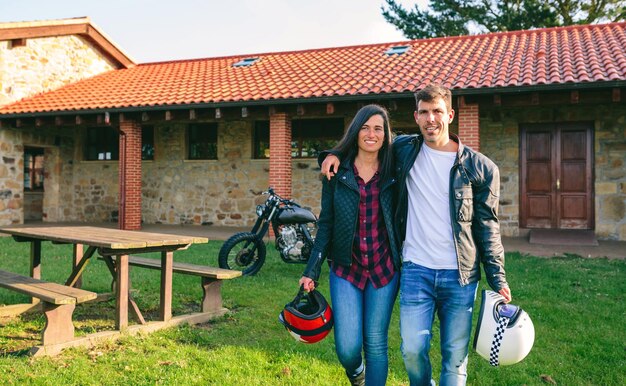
point(519, 59)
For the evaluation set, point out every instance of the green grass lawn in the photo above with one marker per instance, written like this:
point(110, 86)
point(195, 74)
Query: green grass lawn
point(576, 304)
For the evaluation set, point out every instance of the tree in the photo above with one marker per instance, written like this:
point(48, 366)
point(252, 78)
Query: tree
point(464, 17)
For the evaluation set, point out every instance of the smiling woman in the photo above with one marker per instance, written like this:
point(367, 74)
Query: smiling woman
point(363, 275)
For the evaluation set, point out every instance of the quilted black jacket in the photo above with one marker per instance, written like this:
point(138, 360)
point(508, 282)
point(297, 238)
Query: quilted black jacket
point(337, 223)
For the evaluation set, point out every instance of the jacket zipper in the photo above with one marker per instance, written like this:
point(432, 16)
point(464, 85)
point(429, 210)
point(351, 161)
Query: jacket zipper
point(416, 142)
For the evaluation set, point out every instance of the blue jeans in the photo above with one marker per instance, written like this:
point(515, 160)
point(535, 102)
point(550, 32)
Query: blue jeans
point(362, 324)
point(423, 292)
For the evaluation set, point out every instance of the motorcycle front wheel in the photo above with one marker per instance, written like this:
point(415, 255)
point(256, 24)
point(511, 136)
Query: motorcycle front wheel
point(243, 252)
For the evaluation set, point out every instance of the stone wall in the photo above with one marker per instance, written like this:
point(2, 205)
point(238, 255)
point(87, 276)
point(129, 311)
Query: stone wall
point(500, 142)
point(225, 191)
point(11, 178)
point(610, 172)
point(58, 146)
point(45, 64)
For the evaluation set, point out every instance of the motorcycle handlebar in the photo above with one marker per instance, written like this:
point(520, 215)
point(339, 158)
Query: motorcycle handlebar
point(285, 201)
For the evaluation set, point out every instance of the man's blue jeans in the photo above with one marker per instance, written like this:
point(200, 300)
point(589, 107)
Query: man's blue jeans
point(423, 292)
point(362, 324)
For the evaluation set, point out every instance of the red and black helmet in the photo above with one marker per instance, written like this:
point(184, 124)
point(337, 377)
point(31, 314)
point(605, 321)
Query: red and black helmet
point(308, 317)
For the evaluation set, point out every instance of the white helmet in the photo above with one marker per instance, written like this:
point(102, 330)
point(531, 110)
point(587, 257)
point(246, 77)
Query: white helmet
point(504, 333)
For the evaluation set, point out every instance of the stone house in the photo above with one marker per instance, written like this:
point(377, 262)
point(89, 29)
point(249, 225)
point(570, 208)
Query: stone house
point(36, 57)
point(196, 141)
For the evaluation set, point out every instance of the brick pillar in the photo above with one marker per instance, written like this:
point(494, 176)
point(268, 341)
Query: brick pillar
point(130, 176)
point(469, 125)
point(280, 154)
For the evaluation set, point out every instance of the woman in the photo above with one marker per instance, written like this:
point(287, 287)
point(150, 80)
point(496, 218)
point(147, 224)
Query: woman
point(356, 235)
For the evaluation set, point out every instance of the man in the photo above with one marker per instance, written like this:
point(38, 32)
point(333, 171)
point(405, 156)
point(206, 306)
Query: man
point(447, 224)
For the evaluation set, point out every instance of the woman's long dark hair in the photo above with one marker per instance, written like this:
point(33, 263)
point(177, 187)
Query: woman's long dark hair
point(348, 146)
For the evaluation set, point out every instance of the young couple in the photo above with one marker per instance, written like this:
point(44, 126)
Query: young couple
point(425, 206)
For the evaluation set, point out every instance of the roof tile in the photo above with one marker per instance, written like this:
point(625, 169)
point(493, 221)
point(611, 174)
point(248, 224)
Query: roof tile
point(589, 53)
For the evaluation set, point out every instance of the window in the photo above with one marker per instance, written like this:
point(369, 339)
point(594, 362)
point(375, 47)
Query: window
point(246, 62)
point(202, 141)
point(262, 139)
point(397, 50)
point(20, 42)
point(102, 144)
point(33, 169)
point(308, 137)
point(147, 142)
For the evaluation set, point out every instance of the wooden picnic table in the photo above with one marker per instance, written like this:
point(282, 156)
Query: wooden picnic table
point(108, 242)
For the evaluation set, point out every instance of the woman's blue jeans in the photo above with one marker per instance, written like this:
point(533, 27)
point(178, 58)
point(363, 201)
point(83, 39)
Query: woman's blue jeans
point(423, 292)
point(361, 325)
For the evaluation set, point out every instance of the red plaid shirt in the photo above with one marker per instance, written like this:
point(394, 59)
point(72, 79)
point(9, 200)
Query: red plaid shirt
point(371, 257)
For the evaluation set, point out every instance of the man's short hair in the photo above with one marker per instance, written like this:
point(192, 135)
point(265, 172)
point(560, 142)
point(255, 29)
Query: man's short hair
point(432, 92)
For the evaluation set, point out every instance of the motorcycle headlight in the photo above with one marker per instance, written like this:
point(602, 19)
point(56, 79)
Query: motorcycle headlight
point(259, 210)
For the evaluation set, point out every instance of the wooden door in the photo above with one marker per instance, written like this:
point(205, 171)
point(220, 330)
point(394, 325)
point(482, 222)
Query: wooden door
point(556, 176)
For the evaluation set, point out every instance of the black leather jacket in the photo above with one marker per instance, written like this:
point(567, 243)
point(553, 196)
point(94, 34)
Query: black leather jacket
point(474, 195)
point(338, 220)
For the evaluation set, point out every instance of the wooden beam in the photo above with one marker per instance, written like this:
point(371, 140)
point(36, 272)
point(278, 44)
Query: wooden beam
point(330, 108)
point(461, 101)
point(616, 95)
point(574, 97)
point(42, 31)
point(534, 98)
point(168, 115)
point(144, 117)
point(78, 120)
point(192, 114)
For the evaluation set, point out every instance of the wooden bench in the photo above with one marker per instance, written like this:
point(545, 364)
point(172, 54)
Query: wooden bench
point(58, 303)
point(211, 278)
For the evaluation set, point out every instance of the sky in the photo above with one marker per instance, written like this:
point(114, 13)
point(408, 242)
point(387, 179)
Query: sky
point(162, 30)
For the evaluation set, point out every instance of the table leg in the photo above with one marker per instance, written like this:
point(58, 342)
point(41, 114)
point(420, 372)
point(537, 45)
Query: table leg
point(79, 267)
point(131, 303)
point(35, 263)
point(77, 256)
point(35, 259)
point(121, 289)
point(167, 262)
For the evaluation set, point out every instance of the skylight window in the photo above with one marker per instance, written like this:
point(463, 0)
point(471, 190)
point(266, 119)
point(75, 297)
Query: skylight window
point(246, 62)
point(397, 50)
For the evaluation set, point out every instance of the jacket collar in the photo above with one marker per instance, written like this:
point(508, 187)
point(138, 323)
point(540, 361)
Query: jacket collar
point(460, 151)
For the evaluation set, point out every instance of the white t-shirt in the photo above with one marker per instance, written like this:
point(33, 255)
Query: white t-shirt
point(429, 241)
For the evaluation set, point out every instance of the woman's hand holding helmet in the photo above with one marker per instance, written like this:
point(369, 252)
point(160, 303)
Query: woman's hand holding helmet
point(307, 283)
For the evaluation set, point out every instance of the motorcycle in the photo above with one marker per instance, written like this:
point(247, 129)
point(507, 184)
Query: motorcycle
point(294, 228)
